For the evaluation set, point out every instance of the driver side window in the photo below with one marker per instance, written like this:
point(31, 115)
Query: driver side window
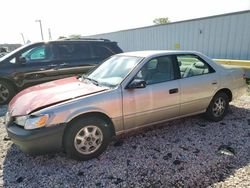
point(157, 70)
point(35, 53)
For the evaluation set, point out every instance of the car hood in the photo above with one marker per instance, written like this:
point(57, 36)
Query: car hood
point(50, 93)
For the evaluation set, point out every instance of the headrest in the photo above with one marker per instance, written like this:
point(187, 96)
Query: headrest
point(199, 65)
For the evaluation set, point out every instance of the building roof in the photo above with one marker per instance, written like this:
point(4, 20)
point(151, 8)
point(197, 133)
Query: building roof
point(195, 19)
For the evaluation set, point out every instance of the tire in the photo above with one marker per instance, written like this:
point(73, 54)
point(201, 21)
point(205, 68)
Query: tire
point(218, 107)
point(7, 92)
point(79, 146)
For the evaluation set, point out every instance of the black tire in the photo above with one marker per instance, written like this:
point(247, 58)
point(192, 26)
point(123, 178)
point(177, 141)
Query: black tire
point(4, 97)
point(73, 131)
point(211, 110)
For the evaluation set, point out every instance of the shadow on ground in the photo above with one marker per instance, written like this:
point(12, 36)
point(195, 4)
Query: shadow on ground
point(181, 153)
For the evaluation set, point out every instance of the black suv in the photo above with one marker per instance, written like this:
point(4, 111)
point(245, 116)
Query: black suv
point(45, 61)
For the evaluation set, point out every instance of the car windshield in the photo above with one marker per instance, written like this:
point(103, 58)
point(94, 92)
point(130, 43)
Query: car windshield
point(113, 71)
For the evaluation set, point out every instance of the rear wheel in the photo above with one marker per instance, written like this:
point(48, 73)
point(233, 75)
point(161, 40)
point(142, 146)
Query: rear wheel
point(6, 92)
point(86, 138)
point(218, 107)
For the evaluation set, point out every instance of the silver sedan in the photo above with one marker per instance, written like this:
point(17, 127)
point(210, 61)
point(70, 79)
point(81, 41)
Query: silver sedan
point(126, 92)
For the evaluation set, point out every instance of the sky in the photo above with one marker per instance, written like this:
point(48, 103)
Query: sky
point(67, 17)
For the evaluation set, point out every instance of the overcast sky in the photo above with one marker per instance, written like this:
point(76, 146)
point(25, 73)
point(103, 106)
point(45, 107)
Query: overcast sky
point(66, 17)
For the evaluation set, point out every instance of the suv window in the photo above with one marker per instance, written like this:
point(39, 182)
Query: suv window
point(191, 65)
point(101, 52)
point(157, 70)
point(73, 51)
point(36, 53)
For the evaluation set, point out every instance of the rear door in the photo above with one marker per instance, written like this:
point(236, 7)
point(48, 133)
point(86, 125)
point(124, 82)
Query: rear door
point(198, 83)
point(73, 58)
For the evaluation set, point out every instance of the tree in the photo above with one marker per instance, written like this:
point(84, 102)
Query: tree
point(159, 21)
point(75, 36)
point(62, 37)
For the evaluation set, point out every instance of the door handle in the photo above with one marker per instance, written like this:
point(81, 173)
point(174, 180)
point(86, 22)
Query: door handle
point(53, 65)
point(172, 91)
point(214, 83)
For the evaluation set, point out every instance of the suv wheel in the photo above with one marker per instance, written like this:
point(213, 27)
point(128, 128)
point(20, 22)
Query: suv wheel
point(218, 107)
point(6, 92)
point(86, 138)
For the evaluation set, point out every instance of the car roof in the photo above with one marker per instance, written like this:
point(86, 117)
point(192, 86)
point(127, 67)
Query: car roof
point(82, 39)
point(149, 53)
point(66, 40)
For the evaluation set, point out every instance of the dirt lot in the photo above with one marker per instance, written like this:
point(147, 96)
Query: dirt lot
point(190, 152)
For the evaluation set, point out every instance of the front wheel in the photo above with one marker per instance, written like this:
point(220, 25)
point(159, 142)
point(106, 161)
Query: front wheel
point(86, 138)
point(218, 107)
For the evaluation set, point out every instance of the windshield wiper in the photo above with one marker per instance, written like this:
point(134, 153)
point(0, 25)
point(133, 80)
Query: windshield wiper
point(90, 79)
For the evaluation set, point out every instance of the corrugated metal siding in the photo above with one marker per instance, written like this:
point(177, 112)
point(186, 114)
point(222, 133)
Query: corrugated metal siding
point(224, 36)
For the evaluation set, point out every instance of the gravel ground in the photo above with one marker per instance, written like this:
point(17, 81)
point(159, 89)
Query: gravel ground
point(189, 152)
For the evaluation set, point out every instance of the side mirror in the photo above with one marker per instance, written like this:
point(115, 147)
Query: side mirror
point(22, 60)
point(136, 84)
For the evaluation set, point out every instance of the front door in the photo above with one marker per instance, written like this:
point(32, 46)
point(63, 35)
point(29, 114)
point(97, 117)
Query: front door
point(34, 65)
point(158, 101)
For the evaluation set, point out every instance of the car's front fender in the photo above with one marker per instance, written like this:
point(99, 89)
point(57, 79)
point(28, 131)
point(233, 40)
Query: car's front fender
point(108, 102)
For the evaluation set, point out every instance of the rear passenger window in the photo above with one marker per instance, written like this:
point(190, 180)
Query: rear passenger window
point(73, 51)
point(191, 65)
point(101, 52)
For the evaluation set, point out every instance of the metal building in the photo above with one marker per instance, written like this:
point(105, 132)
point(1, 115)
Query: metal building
point(222, 36)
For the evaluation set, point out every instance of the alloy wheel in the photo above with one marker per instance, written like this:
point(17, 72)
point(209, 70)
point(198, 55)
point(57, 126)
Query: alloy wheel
point(219, 107)
point(88, 139)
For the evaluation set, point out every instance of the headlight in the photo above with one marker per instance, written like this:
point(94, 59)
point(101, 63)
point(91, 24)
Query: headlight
point(32, 122)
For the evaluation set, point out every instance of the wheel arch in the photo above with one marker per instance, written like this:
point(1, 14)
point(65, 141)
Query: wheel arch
point(100, 115)
point(227, 91)
point(9, 81)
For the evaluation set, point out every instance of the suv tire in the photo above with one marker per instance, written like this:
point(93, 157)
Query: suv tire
point(7, 92)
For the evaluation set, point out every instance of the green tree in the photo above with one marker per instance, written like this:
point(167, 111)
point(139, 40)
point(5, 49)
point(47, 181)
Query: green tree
point(62, 37)
point(75, 36)
point(159, 21)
